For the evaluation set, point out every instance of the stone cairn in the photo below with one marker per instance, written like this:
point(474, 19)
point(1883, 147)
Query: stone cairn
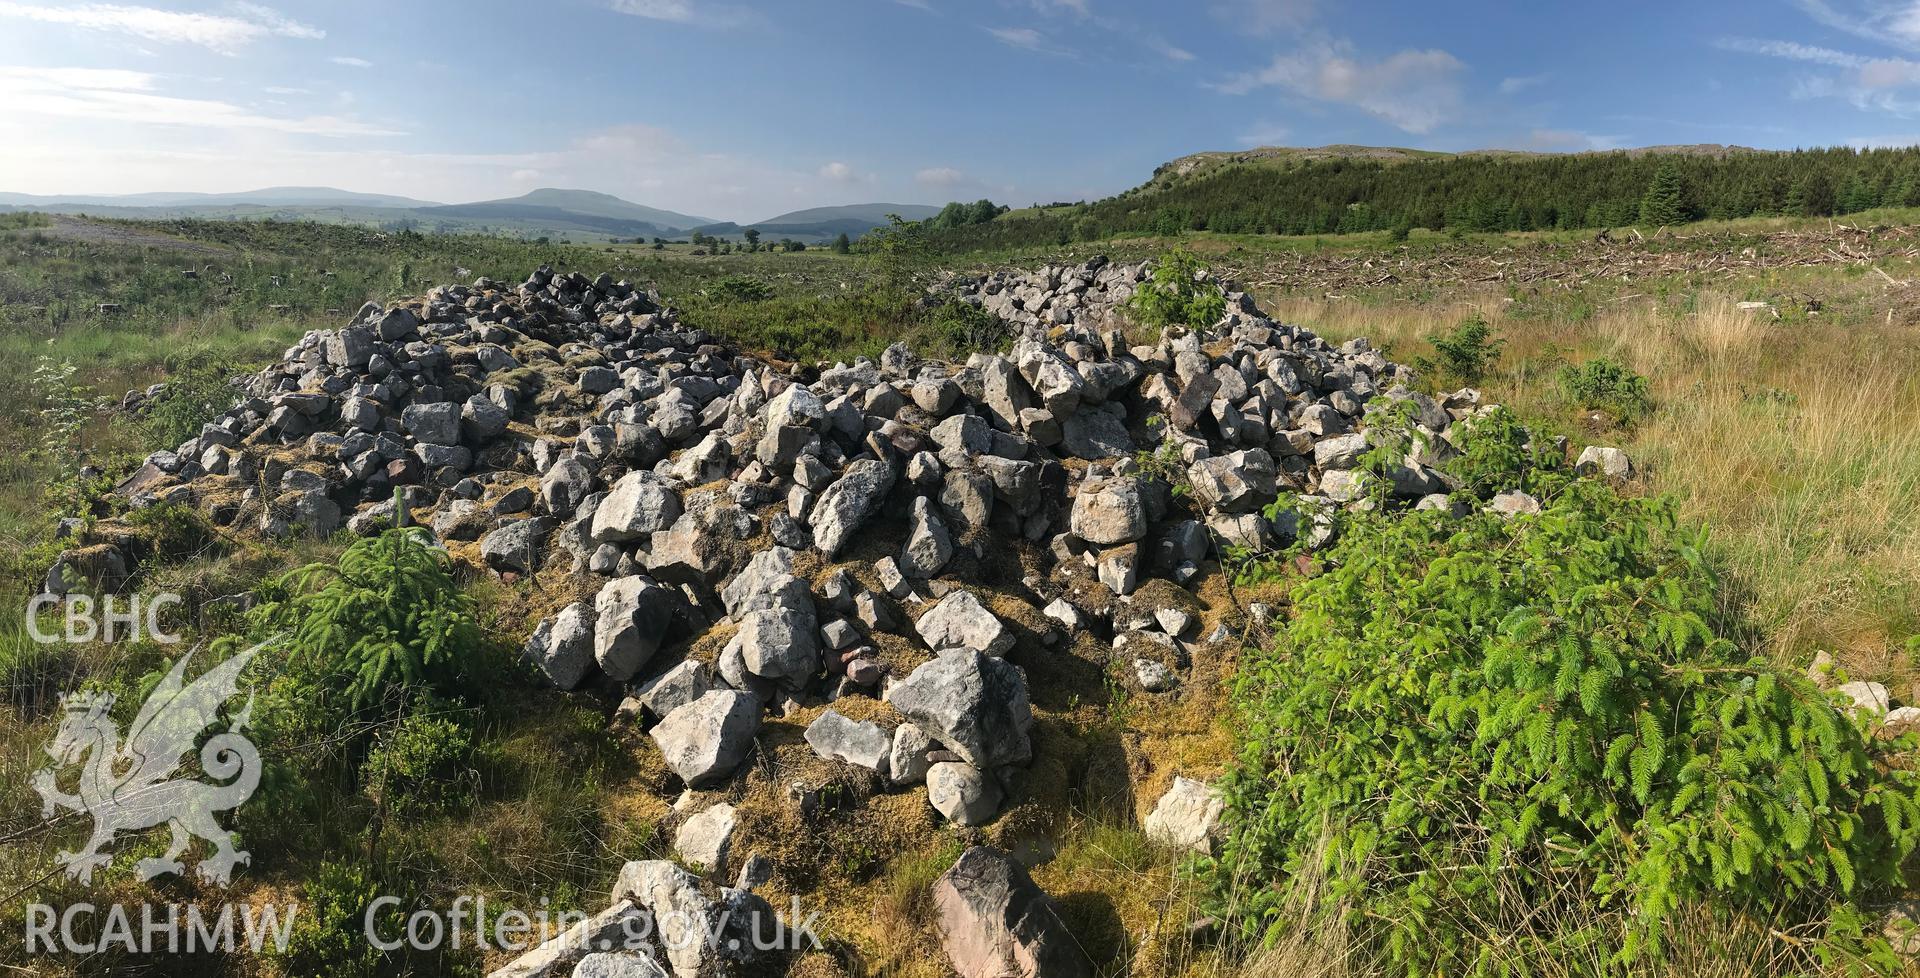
point(574, 426)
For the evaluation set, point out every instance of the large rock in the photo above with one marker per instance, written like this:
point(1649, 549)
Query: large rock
point(795, 407)
point(618, 964)
point(640, 504)
point(1005, 392)
point(862, 744)
point(566, 485)
point(1094, 434)
point(847, 504)
point(960, 621)
point(1598, 460)
point(963, 794)
point(974, 705)
point(1187, 816)
point(611, 927)
point(702, 936)
point(351, 347)
point(1108, 514)
point(1051, 376)
point(994, 922)
point(1240, 482)
point(676, 687)
point(929, 546)
point(433, 424)
point(781, 644)
point(766, 582)
point(705, 838)
point(907, 757)
point(562, 646)
point(517, 545)
point(634, 615)
point(705, 740)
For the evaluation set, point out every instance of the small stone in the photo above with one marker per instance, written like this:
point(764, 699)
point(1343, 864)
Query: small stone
point(962, 793)
point(861, 744)
point(704, 838)
point(1514, 503)
point(704, 741)
point(1187, 816)
point(1611, 463)
point(960, 621)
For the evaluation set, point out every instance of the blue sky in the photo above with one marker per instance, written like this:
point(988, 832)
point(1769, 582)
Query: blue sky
point(741, 110)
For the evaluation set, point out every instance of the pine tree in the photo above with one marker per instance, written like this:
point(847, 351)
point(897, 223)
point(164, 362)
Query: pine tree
point(841, 245)
point(1665, 201)
point(1857, 196)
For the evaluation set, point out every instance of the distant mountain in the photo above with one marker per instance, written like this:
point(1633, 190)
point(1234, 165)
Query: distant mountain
point(586, 203)
point(820, 225)
point(581, 215)
point(269, 197)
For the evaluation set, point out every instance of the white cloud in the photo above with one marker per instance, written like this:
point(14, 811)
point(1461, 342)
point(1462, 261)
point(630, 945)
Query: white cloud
point(916, 4)
point(216, 32)
point(285, 90)
point(1019, 37)
point(1516, 85)
point(1417, 91)
point(837, 171)
point(524, 175)
point(129, 97)
point(351, 62)
point(940, 176)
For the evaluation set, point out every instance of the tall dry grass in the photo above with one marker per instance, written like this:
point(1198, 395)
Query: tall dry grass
point(1796, 441)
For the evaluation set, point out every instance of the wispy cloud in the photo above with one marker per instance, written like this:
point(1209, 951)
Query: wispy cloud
point(1169, 51)
point(1417, 91)
point(1266, 134)
point(1079, 8)
point(1262, 17)
point(1019, 37)
point(940, 176)
point(1868, 83)
point(1518, 84)
point(702, 13)
point(1892, 24)
point(838, 172)
point(110, 95)
point(223, 33)
point(678, 11)
point(1792, 51)
point(351, 62)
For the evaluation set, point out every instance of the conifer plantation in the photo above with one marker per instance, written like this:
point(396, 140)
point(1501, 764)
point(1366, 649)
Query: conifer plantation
point(1336, 193)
